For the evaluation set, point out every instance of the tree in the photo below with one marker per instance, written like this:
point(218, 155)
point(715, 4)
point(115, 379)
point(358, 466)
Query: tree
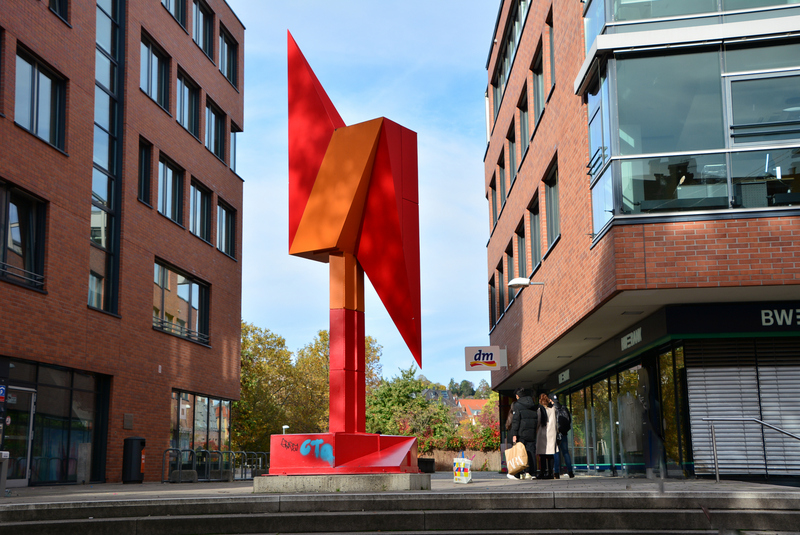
point(268, 378)
point(467, 389)
point(397, 408)
point(484, 390)
point(454, 388)
point(313, 365)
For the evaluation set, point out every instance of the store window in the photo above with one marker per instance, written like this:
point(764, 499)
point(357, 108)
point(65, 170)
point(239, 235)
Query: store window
point(180, 304)
point(40, 103)
point(200, 422)
point(22, 223)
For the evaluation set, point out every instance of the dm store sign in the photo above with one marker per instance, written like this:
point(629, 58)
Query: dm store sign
point(485, 358)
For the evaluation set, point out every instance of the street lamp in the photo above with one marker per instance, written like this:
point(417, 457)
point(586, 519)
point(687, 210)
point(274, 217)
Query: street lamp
point(285, 427)
point(522, 282)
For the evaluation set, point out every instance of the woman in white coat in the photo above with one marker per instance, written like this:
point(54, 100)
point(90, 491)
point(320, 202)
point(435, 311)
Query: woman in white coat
point(546, 437)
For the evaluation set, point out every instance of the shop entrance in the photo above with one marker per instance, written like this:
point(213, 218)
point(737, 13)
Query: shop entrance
point(20, 407)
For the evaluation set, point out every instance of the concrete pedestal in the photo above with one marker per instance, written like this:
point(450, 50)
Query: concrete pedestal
point(341, 483)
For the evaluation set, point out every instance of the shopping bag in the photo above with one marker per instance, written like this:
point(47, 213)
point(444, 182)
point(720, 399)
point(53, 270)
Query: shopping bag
point(462, 470)
point(516, 459)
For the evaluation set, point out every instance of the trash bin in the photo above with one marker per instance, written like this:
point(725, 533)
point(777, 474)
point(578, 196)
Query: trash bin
point(133, 460)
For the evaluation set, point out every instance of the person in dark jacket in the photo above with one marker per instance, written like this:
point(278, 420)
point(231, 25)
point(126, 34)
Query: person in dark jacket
point(523, 428)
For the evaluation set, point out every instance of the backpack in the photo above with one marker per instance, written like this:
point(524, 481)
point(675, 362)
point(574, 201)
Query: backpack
point(563, 419)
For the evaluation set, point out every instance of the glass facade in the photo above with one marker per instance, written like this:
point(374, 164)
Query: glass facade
point(200, 424)
point(633, 418)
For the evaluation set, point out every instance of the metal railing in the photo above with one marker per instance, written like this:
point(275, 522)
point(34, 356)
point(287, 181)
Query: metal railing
point(734, 419)
point(213, 465)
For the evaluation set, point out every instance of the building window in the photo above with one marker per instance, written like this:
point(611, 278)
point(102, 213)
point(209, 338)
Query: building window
point(180, 304)
point(492, 303)
point(145, 170)
point(22, 236)
point(215, 131)
point(177, 8)
point(40, 104)
point(599, 127)
point(552, 35)
point(594, 20)
point(536, 234)
point(493, 202)
point(228, 56)
point(522, 256)
point(199, 422)
point(551, 205)
point(764, 108)
point(538, 87)
point(226, 230)
point(602, 201)
point(200, 211)
point(154, 74)
point(510, 266)
point(524, 125)
point(170, 190)
point(203, 27)
point(235, 131)
point(188, 105)
point(501, 287)
point(59, 7)
point(501, 178)
point(512, 155)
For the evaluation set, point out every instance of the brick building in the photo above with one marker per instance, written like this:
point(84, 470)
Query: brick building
point(643, 163)
point(120, 217)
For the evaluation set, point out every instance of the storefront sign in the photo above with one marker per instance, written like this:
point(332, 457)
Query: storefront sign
point(485, 358)
point(563, 377)
point(780, 317)
point(2, 393)
point(631, 339)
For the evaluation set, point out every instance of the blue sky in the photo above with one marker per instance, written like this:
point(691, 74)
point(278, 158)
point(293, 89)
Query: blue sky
point(421, 64)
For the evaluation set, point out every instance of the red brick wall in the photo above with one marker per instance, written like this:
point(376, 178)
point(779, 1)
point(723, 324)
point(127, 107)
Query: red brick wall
point(57, 326)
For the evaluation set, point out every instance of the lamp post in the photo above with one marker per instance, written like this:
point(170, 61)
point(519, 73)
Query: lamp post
point(285, 427)
point(523, 282)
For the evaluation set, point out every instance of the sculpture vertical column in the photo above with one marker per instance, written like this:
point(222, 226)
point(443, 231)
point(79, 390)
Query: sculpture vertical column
point(347, 346)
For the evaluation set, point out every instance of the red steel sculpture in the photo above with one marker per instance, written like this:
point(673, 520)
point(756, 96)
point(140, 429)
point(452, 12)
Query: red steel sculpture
point(353, 203)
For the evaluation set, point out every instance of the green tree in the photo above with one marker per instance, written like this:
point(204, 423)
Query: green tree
point(484, 390)
point(311, 410)
point(268, 379)
point(397, 408)
point(467, 389)
point(454, 388)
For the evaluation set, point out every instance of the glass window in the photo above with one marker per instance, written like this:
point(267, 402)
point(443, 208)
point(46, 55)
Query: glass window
point(177, 8)
point(59, 7)
point(536, 234)
point(676, 183)
point(512, 156)
point(226, 230)
point(228, 56)
point(180, 304)
point(170, 191)
point(524, 131)
point(50, 454)
point(501, 287)
point(200, 423)
point(203, 27)
point(235, 131)
point(551, 205)
point(187, 106)
point(186, 422)
point(766, 178)
point(39, 100)
point(22, 232)
point(522, 256)
point(106, 28)
point(594, 19)
point(215, 131)
point(602, 201)
point(501, 178)
point(765, 108)
point(200, 212)
point(730, 5)
point(670, 103)
point(153, 74)
point(552, 46)
point(145, 169)
point(538, 87)
point(650, 9)
point(492, 303)
point(740, 58)
point(510, 266)
point(493, 202)
point(599, 126)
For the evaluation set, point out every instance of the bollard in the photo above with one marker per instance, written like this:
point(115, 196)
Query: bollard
point(3, 472)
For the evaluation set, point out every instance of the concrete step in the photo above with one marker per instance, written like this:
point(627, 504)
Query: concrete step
point(407, 513)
